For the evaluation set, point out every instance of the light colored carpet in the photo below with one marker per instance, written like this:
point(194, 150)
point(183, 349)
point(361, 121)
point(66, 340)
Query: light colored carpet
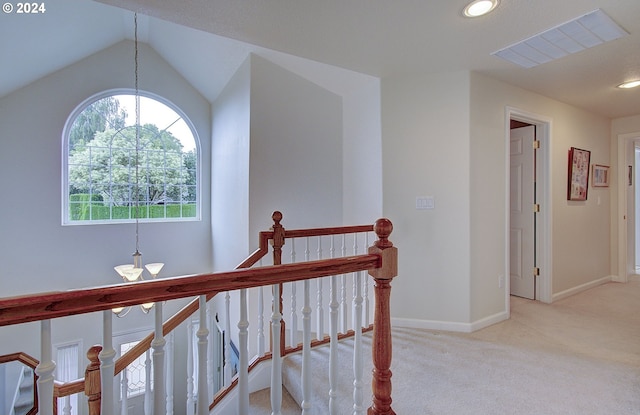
point(580, 355)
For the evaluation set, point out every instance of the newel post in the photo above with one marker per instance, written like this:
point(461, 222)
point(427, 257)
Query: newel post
point(278, 243)
point(92, 380)
point(381, 344)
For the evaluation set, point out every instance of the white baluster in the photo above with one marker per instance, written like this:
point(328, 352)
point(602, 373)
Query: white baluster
point(276, 363)
point(320, 307)
point(261, 344)
point(148, 398)
point(169, 364)
point(307, 250)
point(227, 340)
point(294, 315)
point(343, 291)
point(333, 348)
point(45, 370)
point(358, 398)
point(107, 365)
point(243, 348)
point(211, 323)
point(306, 350)
point(67, 405)
point(191, 404)
point(365, 292)
point(203, 332)
point(260, 328)
point(158, 342)
point(333, 345)
point(124, 392)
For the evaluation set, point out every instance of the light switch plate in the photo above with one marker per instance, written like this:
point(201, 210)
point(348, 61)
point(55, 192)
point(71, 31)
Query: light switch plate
point(425, 202)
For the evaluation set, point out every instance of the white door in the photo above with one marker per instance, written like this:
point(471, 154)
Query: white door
point(522, 230)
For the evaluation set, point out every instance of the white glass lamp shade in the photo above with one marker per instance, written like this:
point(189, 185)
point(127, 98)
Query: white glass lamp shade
point(120, 269)
point(147, 306)
point(121, 311)
point(154, 268)
point(132, 274)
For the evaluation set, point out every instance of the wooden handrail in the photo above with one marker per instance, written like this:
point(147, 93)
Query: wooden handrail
point(302, 233)
point(24, 309)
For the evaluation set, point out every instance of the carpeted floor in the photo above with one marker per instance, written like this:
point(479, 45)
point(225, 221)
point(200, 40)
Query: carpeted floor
point(579, 355)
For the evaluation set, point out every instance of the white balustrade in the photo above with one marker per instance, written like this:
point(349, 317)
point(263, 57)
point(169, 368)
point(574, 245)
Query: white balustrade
point(45, 370)
point(148, 392)
point(169, 364)
point(124, 393)
point(343, 291)
point(320, 307)
point(211, 350)
point(358, 398)
point(157, 344)
point(107, 365)
point(66, 409)
point(276, 362)
point(306, 349)
point(243, 369)
point(227, 339)
point(333, 348)
point(191, 404)
point(202, 333)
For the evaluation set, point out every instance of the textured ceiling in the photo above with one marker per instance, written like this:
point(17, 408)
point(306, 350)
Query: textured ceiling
point(379, 38)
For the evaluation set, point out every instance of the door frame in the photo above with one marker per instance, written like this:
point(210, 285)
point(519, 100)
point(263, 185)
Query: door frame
point(543, 245)
point(624, 233)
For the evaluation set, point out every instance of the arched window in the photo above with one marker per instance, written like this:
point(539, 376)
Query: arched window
point(114, 172)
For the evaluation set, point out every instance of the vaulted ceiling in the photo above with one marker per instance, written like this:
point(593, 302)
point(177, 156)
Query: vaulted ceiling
point(206, 40)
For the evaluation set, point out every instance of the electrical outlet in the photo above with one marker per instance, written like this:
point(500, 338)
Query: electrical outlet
point(500, 281)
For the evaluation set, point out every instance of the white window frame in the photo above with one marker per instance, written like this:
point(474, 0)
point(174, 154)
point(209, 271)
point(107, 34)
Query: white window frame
point(65, 220)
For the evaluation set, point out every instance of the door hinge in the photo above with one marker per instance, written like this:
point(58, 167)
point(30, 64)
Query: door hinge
point(536, 208)
point(536, 271)
point(536, 144)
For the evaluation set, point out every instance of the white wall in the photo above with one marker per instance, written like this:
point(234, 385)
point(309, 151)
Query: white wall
point(425, 152)
point(230, 171)
point(362, 155)
point(295, 151)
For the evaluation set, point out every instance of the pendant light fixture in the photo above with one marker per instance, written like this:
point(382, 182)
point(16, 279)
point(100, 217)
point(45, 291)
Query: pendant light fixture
point(134, 272)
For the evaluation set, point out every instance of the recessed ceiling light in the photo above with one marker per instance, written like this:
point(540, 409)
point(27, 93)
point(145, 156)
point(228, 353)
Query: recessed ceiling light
point(630, 84)
point(480, 7)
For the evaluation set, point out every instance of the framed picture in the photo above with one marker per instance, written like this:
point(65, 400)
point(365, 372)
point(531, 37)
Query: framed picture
point(600, 175)
point(578, 174)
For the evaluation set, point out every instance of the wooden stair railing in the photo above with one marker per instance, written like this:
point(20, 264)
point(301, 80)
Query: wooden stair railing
point(380, 261)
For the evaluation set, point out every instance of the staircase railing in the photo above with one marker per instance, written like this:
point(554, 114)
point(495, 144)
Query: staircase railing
point(380, 262)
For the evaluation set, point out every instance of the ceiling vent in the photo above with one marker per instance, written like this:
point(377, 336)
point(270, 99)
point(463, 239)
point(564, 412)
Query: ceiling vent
point(573, 36)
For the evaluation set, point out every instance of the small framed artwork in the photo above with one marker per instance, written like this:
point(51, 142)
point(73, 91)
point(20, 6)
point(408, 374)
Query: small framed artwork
point(578, 174)
point(600, 175)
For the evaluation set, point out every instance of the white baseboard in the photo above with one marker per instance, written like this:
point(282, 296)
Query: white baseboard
point(580, 288)
point(489, 321)
point(450, 325)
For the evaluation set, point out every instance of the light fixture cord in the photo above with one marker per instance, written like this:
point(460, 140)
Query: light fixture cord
point(135, 27)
